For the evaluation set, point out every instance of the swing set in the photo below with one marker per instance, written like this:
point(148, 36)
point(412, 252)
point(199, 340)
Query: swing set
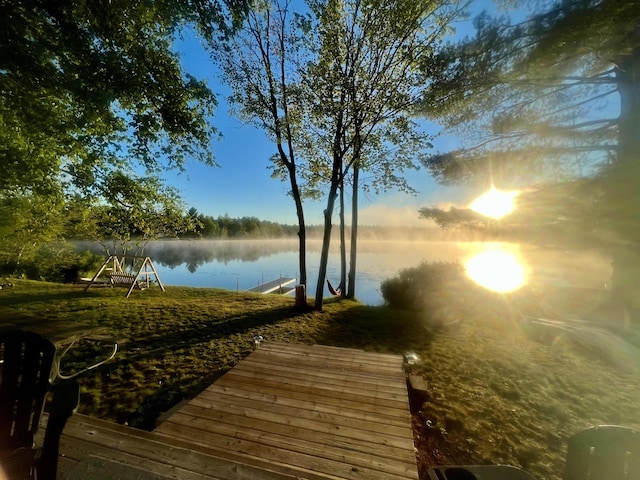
point(118, 276)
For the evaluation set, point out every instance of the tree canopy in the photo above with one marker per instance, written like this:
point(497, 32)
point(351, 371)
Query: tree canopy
point(89, 84)
point(91, 95)
point(262, 65)
point(539, 99)
point(362, 82)
point(553, 99)
point(332, 83)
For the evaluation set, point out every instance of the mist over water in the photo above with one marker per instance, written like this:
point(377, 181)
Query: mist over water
point(243, 264)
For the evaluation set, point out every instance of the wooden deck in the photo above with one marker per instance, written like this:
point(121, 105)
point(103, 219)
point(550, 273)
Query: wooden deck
point(309, 412)
point(284, 412)
point(93, 449)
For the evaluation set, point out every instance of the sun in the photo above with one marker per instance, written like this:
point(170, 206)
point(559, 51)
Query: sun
point(495, 203)
point(496, 270)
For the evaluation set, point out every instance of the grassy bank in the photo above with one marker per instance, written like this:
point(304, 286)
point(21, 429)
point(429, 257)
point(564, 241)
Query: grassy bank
point(497, 391)
point(174, 344)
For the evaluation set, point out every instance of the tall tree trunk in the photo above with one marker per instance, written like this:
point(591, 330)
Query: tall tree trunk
point(302, 233)
point(302, 241)
point(326, 241)
point(351, 292)
point(621, 189)
point(343, 243)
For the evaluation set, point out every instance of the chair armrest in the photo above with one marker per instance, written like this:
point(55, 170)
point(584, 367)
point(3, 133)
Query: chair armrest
point(64, 403)
point(58, 374)
point(65, 399)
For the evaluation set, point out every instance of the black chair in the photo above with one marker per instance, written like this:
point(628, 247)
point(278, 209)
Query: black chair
point(477, 472)
point(26, 364)
point(603, 452)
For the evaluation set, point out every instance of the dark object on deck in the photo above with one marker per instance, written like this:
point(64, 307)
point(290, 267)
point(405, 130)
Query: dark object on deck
point(26, 361)
point(478, 472)
point(603, 452)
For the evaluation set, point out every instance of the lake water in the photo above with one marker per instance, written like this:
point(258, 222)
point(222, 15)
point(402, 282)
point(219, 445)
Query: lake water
point(243, 264)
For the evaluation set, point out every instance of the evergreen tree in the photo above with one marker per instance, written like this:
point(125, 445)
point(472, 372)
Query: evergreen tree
point(553, 98)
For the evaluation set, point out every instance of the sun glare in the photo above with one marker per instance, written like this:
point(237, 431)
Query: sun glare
point(494, 203)
point(496, 270)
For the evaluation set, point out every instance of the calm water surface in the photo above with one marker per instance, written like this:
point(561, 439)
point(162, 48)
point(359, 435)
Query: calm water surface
point(243, 264)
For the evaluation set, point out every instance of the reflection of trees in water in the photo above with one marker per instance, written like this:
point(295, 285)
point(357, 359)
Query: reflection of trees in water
point(195, 253)
point(174, 256)
point(383, 259)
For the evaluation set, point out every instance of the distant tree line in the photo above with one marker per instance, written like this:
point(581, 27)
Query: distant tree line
point(206, 226)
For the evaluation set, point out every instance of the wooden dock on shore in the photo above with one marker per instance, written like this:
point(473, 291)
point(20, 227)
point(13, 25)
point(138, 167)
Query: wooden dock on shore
point(284, 412)
point(274, 285)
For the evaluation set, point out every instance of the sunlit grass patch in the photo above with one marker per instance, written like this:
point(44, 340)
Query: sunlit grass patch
point(497, 396)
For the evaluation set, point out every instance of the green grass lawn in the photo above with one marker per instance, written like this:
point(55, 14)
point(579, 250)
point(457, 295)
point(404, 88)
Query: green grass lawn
point(174, 344)
point(496, 394)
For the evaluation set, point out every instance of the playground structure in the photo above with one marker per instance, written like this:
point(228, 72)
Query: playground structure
point(118, 276)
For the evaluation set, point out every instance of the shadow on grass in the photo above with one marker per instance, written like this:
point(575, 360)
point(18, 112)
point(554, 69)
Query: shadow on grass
point(39, 312)
point(25, 297)
point(184, 360)
point(170, 337)
point(148, 411)
point(377, 329)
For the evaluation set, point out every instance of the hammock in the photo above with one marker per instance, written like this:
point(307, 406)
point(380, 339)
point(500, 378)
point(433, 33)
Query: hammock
point(334, 291)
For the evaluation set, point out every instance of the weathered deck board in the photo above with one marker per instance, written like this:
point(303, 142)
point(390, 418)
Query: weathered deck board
point(309, 412)
point(86, 437)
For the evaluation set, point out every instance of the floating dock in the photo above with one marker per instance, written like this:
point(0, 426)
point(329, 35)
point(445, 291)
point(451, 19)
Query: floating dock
point(273, 285)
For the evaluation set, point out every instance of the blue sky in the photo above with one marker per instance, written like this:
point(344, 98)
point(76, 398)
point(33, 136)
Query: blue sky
point(242, 186)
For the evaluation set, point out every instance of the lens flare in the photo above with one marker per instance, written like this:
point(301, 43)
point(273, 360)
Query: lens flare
point(494, 203)
point(496, 270)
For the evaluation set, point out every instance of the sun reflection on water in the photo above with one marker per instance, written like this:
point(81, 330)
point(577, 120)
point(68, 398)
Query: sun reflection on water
point(497, 269)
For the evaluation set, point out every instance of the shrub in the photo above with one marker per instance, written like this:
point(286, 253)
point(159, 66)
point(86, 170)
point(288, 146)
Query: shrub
point(59, 262)
point(425, 286)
